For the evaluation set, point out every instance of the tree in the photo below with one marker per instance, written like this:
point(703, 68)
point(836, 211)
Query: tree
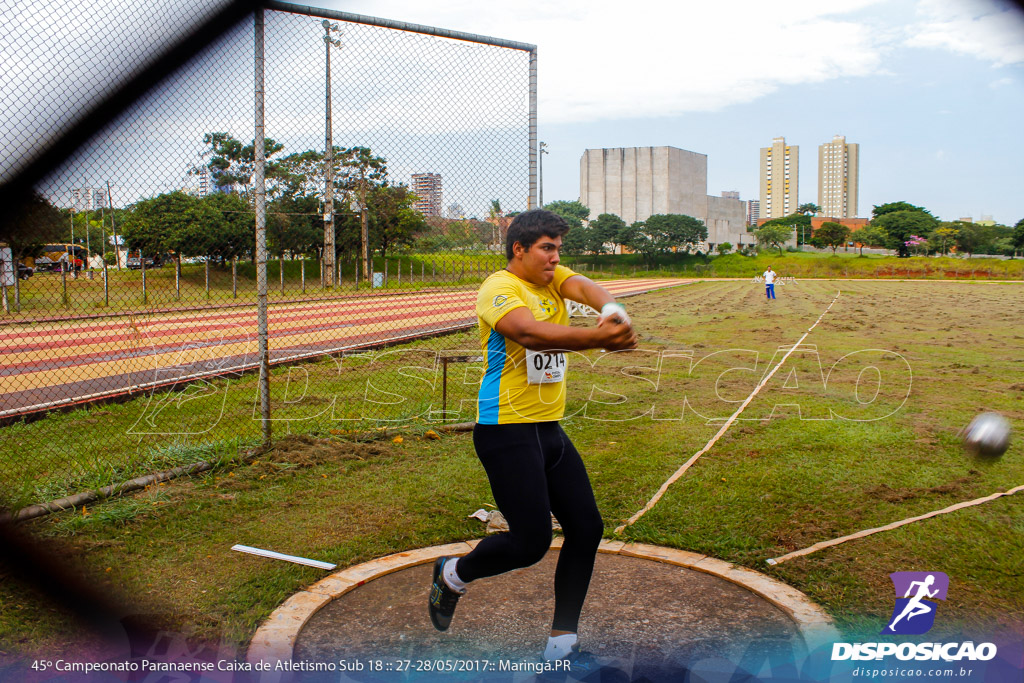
point(33, 224)
point(832, 235)
point(361, 169)
point(883, 209)
point(231, 163)
point(170, 222)
point(578, 239)
point(635, 238)
point(294, 225)
point(673, 230)
point(604, 230)
point(232, 234)
point(808, 209)
point(724, 248)
point(944, 236)
point(1018, 235)
point(575, 211)
point(301, 174)
point(660, 233)
point(393, 221)
point(800, 222)
point(969, 238)
point(870, 236)
point(771, 234)
point(901, 224)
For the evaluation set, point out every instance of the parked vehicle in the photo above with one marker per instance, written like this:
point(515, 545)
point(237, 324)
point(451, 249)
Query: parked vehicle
point(58, 257)
point(134, 261)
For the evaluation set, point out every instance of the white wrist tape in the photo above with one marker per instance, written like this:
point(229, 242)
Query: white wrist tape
point(616, 310)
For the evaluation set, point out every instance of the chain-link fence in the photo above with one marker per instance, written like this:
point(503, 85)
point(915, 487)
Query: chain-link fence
point(393, 156)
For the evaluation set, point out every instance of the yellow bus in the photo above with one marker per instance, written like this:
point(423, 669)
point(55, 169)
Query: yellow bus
point(61, 257)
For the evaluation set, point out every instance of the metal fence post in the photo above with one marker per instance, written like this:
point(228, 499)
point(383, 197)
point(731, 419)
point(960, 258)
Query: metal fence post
point(17, 292)
point(234, 277)
point(261, 233)
point(530, 202)
point(206, 262)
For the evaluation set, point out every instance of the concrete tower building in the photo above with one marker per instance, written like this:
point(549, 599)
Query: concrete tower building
point(837, 178)
point(635, 183)
point(780, 173)
point(427, 186)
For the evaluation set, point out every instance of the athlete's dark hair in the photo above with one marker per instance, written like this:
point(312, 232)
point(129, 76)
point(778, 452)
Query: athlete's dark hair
point(530, 226)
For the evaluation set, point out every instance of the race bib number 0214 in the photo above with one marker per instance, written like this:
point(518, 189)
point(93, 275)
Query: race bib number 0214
point(545, 367)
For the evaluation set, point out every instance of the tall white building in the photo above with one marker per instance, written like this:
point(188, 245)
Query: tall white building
point(780, 173)
point(88, 199)
point(427, 187)
point(838, 170)
point(753, 211)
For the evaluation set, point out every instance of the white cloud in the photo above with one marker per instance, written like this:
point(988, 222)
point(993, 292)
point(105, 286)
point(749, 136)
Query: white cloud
point(979, 28)
point(600, 59)
point(1001, 83)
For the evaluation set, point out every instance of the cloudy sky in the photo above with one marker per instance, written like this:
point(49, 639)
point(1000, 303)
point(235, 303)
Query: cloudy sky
point(932, 90)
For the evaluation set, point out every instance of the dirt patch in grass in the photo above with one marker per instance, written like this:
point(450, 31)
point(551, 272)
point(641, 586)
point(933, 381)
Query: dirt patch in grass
point(308, 451)
point(893, 495)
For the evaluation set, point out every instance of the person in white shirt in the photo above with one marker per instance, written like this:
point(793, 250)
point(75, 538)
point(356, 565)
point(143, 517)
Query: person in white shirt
point(769, 283)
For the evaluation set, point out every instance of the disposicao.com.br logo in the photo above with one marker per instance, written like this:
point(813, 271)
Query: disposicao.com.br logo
point(914, 614)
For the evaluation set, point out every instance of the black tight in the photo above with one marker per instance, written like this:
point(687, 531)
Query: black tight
point(534, 470)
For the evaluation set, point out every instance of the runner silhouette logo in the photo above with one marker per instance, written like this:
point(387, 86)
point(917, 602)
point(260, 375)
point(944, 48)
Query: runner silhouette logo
point(916, 593)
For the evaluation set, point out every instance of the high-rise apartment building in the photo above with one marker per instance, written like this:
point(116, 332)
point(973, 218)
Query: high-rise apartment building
point(204, 181)
point(427, 187)
point(837, 178)
point(753, 211)
point(780, 172)
point(88, 198)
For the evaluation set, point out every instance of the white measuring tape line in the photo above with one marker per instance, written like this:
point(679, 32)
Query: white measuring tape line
point(867, 532)
point(728, 423)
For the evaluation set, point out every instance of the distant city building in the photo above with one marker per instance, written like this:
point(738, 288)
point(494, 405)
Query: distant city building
point(88, 199)
point(753, 211)
point(985, 220)
point(731, 194)
point(204, 181)
point(635, 183)
point(456, 212)
point(427, 186)
point(780, 173)
point(838, 170)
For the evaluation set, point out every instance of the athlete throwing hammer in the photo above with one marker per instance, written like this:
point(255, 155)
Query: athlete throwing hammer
point(533, 468)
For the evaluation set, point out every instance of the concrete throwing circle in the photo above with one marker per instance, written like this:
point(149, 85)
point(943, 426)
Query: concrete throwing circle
point(649, 609)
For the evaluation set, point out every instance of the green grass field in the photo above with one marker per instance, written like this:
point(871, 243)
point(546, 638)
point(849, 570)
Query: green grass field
point(811, 459)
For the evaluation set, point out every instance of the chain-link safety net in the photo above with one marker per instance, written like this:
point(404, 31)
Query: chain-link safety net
point(129, 275)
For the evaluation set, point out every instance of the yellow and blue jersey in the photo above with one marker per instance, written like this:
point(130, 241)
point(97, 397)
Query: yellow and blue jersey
point(506, 396)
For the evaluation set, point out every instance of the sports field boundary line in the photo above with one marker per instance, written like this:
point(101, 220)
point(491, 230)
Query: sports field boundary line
point(728, 423)
point(894, 525)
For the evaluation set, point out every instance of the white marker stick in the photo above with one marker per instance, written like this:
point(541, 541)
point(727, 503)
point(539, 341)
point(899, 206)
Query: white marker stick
point(895, 525)
point(280, 556)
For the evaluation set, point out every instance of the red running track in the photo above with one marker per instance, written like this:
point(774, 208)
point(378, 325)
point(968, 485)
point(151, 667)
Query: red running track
point(50, 365)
